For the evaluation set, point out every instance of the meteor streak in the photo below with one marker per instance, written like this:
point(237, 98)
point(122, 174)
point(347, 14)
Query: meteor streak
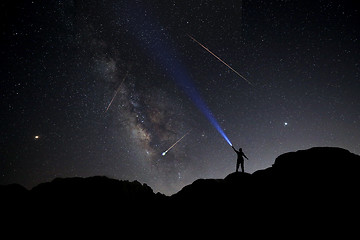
point(219, 59)
point(164, 153)
point(116, 92)
point(161, 50)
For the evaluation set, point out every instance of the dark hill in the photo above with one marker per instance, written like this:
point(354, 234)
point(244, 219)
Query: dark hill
point(98, 188)
point(316, 173)
point(319, 185)
point(315, 187)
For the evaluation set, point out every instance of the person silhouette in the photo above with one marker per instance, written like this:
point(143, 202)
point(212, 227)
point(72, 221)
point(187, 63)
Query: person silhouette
point(240, 159)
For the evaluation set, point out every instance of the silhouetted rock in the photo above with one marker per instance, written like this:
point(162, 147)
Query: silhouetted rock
point(318, 184)
point(236, 177)
point(319, 161)
point(93, 196)
point(12, 190)
point(314, 171)
point(99, 188)
point(203, 191)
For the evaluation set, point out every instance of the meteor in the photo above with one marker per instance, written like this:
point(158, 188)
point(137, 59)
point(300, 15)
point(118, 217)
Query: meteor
point(219, 59)
point(116, 92)
point(164, 153)
point(162, 52)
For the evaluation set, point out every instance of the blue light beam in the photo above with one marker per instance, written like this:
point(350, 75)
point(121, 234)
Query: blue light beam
point(156, 42)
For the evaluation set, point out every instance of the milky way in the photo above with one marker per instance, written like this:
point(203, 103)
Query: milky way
point(151, 117)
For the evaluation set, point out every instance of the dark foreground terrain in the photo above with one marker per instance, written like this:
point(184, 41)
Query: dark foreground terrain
point(314, 190)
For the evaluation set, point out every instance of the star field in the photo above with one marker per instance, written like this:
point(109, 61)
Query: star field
point(90, 87)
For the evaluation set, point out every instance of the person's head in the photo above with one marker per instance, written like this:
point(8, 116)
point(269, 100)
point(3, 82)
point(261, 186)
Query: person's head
point(240, 149)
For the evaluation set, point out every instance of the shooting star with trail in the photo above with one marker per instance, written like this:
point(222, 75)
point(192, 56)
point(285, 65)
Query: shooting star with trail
point(116, 92)
point(164, 153)
point(219, 59)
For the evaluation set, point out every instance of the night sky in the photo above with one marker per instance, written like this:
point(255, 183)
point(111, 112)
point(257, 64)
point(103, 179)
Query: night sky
point(62, 63)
